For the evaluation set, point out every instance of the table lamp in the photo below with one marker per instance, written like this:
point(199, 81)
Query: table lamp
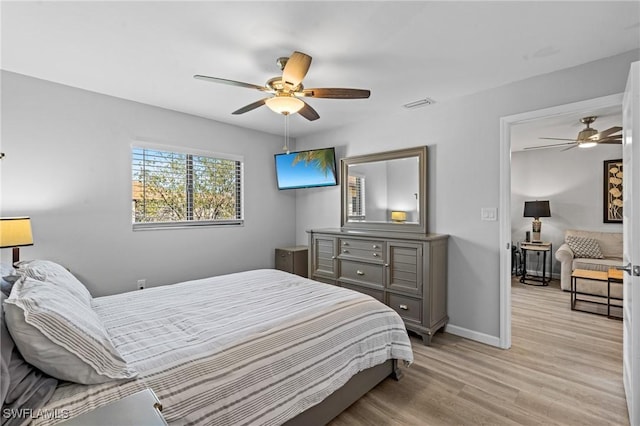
point(15, 232)
point(536, 210)
point(399, 216)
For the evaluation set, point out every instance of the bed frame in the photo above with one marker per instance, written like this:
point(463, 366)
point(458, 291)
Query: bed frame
point(342, 398)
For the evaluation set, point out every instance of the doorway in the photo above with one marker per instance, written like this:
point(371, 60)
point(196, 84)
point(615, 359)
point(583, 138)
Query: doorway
point(506, 124)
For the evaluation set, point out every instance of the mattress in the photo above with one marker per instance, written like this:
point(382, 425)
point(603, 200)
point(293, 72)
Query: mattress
point(255, 347)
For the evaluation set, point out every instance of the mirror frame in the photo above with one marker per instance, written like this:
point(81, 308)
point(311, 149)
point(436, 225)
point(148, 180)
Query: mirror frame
point(421, 226)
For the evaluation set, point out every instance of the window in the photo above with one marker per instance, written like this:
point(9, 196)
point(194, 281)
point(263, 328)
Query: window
point(356, 197)
point(171, 188)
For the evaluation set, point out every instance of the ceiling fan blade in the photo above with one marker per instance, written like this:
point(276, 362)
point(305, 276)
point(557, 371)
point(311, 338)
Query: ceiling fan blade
point(231, 82)
point(605, 133)
point(337, 93)
point(569, 147)
point(550, 146)
point(250, 107)
point(610, 141)
point(296, 68)
point(559, 139)
point(308, 112)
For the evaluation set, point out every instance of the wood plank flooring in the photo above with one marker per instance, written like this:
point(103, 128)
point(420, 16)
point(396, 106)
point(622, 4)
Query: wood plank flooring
point(564, 368)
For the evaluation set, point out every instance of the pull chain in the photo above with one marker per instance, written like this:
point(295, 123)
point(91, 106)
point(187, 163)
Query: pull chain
point(286, 132)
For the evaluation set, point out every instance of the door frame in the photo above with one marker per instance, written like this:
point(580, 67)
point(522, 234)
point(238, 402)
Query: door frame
point(506, 123)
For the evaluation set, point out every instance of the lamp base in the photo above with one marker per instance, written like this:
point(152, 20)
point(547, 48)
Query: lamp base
point(16, 255)
point(536, 227)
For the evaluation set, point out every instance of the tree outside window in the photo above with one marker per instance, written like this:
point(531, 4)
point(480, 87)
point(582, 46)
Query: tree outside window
point(180, 188)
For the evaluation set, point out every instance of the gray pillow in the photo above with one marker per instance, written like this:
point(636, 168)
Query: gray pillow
point(22, 387)
point(583, 247)
point(8, 276)
point(62, 335)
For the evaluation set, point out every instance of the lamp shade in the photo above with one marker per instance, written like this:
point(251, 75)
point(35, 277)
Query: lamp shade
point(284, 104)
point(398, 216)
point(15, 232)
point(537, 209)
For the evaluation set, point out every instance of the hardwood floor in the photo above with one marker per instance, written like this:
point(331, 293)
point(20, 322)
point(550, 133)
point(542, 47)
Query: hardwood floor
point(564, 368)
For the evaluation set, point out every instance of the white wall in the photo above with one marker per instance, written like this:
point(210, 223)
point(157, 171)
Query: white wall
point(67, 166)
point(403, 187)
point(572, 181)
point(464, 162)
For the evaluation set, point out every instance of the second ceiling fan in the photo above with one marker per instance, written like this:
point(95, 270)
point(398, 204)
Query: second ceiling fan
point(287, 89)
point(587, 137)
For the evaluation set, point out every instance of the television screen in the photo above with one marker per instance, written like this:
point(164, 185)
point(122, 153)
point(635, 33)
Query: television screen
point(306, 169)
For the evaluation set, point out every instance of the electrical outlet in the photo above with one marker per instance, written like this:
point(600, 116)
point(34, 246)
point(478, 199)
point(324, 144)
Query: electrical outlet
point(142, 283)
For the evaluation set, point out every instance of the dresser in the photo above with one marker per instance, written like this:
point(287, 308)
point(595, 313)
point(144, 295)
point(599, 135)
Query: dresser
point(406, 271)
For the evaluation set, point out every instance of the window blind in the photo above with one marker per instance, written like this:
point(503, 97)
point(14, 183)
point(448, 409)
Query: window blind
point(356, 195)
point(172, 188)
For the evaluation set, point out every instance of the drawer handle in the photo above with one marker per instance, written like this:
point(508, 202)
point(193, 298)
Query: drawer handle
point(333, 257)
point(375, 246)
point(157, 406)
point(359, 272)
point(386, 265)
point(404, 307)
point(375, 255)
point(345, 243)
point(345, 251)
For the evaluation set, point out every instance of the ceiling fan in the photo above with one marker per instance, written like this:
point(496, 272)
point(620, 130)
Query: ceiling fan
point(587, 137)
point(287, 89)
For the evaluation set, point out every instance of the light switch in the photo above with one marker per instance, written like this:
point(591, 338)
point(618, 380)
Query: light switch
point(489, 213)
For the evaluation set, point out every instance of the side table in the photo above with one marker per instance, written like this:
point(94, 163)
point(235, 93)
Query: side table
point(544, 248)
point(293, 260)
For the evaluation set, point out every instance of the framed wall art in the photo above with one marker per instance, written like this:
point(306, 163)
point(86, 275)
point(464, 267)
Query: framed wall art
point(613, 202)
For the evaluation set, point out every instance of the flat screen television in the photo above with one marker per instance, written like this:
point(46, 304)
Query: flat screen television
point(306, 169)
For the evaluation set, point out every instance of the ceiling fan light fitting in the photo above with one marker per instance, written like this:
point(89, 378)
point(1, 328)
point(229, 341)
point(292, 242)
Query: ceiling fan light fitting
point(587, 144)
point(284, 104)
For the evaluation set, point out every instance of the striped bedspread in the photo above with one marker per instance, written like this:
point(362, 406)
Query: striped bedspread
point(256, 347)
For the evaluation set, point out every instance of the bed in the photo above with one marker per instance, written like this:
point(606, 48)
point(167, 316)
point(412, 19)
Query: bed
point(255, 347)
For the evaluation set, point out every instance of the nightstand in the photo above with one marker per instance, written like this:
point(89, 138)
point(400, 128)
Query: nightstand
point(293, 260)
point(140, 409)
point(541, 247)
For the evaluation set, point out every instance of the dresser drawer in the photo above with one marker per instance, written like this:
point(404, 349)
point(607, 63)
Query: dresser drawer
point(376, 294)
point(362, 249)
point(361, 272)
point(407, 307)
point(361, 244)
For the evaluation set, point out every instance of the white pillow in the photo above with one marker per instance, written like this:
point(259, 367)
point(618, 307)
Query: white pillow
point(61, 335)
point(51, 272)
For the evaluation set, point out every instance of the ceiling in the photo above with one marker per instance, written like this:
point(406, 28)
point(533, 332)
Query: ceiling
point(528, 134)
point(402, 51)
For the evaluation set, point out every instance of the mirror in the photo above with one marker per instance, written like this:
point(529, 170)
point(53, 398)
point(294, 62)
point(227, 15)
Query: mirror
point(386, 191)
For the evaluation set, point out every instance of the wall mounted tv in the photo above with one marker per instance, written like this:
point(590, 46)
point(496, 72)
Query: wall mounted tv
point(306, 169)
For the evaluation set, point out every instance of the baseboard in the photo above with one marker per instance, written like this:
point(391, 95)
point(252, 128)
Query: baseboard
point(473, 335)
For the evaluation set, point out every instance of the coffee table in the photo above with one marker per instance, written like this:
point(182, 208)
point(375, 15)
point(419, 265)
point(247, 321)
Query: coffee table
point(614, 276)
point(611, 276)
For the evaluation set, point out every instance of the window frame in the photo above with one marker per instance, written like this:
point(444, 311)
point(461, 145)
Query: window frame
point(358, 186)
point(182, 224)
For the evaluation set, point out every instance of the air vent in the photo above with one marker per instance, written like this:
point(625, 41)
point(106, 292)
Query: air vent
point(419, 103)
